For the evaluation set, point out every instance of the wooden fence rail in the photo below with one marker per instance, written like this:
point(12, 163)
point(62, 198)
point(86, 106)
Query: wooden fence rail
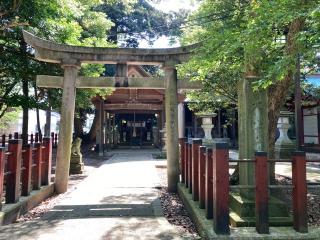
point(24, 168)
point(205, 172)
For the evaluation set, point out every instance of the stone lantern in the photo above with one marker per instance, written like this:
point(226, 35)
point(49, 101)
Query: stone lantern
point(284, 146)
point(207, 126)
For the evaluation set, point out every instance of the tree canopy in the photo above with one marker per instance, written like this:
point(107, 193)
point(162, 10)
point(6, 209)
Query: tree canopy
point(271, 41)
point(65, 21)
point(251, 37)
point(100, 23)
point(140, 20)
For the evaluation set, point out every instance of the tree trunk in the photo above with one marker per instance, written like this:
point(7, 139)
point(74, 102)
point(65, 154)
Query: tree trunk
point(25, 107)
point(25, 112)
point(277, 93)
point(47, 128)
point(37, 111)
point(38, 122)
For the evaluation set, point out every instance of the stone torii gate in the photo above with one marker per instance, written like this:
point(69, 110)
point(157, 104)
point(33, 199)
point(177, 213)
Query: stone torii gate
point(71, 58)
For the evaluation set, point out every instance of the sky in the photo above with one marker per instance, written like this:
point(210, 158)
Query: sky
point(314, 79)
point(167, 6)
point(175, 5)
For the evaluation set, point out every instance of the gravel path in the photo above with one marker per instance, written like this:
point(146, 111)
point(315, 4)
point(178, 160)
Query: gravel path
point(313, 199)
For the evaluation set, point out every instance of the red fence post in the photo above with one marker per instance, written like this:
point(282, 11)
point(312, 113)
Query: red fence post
point(26, 174)
point(186, 156)
point(196, 143)
point(46, 161)
point(299, 181)
point(14, 167)
point(262, 190)
point(189, 168)
point(182, 159)
point(208, 184)
point(220, 155)
point(201, 175)
point(2, 162)
point(37, 168)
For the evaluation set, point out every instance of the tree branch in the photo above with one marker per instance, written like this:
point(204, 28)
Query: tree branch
point(4, 111)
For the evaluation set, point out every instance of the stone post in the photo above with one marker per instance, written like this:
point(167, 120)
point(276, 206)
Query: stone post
point(253, 137)
point(253, 127)
point(181, 120)
point(71, 69)
point(171, 103)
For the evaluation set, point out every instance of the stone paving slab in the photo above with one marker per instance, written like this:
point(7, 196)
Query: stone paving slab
point(119, 200)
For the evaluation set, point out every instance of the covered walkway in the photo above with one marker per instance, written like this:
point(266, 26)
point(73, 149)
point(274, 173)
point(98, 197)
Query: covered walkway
point(119, 200)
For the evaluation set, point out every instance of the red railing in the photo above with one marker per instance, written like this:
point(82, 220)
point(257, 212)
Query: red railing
point(24, 168)
point(205, 172)
point(32, 138)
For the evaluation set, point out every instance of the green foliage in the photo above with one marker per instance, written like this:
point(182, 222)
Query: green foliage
point(138, 20)
point(10, 117)
point(64, 21)
point(248, 38)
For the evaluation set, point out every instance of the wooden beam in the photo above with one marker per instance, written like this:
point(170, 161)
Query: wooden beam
point(134, 111)
point(109, 82)
point(132, 106)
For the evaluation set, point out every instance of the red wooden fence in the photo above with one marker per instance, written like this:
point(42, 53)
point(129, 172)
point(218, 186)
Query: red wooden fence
point(206, 171)
point(27, 166)
point(32, 138)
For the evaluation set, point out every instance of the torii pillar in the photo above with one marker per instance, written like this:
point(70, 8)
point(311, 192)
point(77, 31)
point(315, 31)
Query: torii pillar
point(71, 69)
point(171, 105)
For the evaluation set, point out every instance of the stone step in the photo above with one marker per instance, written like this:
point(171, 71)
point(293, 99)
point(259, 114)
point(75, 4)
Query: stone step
point(237, 221)
point(245, 207)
